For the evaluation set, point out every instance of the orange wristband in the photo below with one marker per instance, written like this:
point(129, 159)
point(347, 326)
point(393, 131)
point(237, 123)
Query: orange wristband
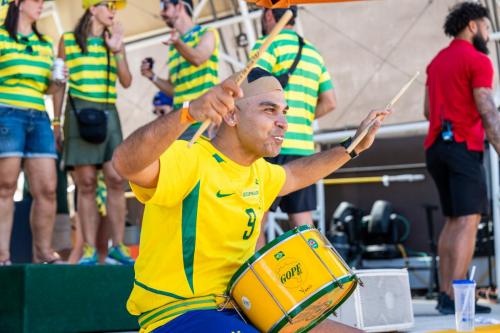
point(186, 117)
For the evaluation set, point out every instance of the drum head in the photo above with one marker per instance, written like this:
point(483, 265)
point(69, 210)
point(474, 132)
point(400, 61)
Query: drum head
point(292, 283)
point(269, 246)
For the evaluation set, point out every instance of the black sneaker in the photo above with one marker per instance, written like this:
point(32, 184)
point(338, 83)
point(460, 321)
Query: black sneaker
point(446, 305)
point(482, 309)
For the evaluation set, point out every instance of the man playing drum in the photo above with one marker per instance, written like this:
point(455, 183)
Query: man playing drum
point(204, 204)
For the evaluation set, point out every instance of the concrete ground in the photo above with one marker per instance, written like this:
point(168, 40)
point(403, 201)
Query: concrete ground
point(427, 319)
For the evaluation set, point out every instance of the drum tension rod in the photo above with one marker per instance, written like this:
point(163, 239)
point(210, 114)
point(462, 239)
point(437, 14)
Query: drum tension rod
point(290, 319)
point(360, 282)
point(228, 300)
point(339, 284)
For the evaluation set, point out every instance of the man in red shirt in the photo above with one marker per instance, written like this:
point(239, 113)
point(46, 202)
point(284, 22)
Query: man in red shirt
point(460, 107)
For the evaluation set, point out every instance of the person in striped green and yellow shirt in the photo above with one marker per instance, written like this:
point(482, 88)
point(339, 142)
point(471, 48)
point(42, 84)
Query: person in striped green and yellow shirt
point(193, 57)
point(309, 94)
point(95, 55)
point(26, 60)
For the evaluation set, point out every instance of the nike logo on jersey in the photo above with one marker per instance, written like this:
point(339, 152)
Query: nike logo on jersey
point(223, 195)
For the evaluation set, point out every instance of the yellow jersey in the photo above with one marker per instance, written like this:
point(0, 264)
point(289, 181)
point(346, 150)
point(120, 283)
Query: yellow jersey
point(200, 224)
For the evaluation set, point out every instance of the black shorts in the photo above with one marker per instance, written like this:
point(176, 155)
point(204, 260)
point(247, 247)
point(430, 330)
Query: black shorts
point(300, 201)
point(460, 178)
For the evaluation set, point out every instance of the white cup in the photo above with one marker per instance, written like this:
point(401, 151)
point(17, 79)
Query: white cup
point(465, 305)
point(58, 70)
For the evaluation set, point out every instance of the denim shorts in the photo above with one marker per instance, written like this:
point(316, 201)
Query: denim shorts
point(26, 133)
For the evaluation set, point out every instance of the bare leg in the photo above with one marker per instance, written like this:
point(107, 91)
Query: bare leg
point(334, 327)
point(103, 235)
point(77, 250)
point(444, 248)
point(43, 180)
point(9, 172)
point(115, 203)
point(86, 182)
point(298, 219)
point(459, 249)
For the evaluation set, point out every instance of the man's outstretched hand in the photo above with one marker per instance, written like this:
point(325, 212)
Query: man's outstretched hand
point(370, 125)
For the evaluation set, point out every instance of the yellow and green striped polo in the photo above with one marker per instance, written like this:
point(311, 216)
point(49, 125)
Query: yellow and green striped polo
point(88, 72)
point(309, 79)
point(192, 81)
point(25, 69)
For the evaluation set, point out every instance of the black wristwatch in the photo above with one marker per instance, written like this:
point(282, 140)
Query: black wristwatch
point(346, 143)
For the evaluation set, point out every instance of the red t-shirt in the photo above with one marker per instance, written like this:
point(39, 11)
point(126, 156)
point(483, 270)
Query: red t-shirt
point(451, 77)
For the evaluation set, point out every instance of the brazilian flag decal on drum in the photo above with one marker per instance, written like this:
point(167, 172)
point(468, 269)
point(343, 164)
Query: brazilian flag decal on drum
point(312, 243)
point(279, 255)
point(292, 283)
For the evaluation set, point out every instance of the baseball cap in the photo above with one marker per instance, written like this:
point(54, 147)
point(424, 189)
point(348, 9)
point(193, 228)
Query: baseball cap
point(161, 99)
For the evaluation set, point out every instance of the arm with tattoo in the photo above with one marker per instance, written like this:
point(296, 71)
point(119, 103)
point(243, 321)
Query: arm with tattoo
point(489, 114)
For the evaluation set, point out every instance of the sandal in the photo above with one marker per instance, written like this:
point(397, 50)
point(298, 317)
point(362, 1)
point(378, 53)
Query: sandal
point(55, 260)
point(6, 262)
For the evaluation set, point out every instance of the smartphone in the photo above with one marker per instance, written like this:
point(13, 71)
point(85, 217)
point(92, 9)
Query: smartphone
point(151, 62)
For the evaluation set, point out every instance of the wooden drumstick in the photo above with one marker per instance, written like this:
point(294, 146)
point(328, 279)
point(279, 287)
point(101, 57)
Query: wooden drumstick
point(251, 63)
point(361, 135)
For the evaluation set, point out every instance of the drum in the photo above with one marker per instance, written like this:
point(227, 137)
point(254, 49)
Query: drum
point(293, 283)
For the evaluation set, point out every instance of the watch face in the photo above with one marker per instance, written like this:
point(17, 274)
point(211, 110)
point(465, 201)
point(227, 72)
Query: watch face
point(346, 143)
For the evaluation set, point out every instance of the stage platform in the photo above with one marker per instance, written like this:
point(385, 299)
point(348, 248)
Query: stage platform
point(65, 298)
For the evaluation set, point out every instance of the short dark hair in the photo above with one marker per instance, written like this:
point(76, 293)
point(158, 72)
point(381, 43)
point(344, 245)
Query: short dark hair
point(279, 12)
point(461, 14)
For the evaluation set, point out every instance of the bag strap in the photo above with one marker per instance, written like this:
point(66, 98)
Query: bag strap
point(108, 69)
point(285, 77)
point(297, 57)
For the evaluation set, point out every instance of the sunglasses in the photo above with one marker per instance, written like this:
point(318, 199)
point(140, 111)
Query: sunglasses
point(25, 41)
point(111, 5)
